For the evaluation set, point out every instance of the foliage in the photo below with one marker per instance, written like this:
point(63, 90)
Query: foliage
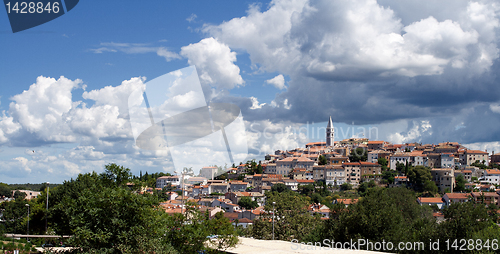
point(292, 220)
point(279, 187)
point(430, 187)
point(389, 214)
point(358, 154)
point(479, 164)
point(363, 187)
point(418, 176)
point(460, 183)
point(389, 175)
point(322, 160)
point(247, 203)
point(5, 190)
point(19, 195)
point(345, 186)
point(383, 162)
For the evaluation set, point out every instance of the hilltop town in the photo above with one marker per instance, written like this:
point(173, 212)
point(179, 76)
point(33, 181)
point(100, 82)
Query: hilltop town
point(442, 173)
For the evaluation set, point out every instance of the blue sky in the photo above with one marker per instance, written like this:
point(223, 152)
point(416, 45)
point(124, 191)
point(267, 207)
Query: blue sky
point(417, 71)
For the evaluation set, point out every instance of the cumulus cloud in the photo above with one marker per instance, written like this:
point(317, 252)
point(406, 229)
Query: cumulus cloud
point(278, 82)
point(215, 63)
point(352, 39)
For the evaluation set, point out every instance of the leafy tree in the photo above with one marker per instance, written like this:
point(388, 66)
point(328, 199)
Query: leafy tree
point(5, 190)
point(322, 160)
point(430, 187)
point(358, 154)
point(292, 220)
point(306, 189)
point(460, 183)
point(389, 214)
point(363, 187)
point(19, 195)
point(345, 186)
point(479, 164)
point(247, 203)
point(389, 175)
point(383, 162)
point(279, 187)
point(400, 167)
point(418, 176)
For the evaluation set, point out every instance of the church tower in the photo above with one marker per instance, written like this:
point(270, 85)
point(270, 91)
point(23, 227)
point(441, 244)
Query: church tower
point(329, 133)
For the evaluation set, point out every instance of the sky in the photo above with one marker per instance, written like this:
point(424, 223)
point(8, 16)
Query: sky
point(401, 71)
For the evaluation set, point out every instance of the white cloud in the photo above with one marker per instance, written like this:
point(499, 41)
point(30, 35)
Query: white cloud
point(214, 62)
point(256, 104)
point(278, 82)
point(355, 39)
point(136, 48)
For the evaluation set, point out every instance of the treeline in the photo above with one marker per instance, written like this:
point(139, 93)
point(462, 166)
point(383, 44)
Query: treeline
point(383, 214)
point(105, 215)
point(6, 190)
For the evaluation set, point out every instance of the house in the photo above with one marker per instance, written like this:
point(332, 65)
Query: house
point(164, 181)
point(219, 187)
point(230, 208)
point(398, 158)
point(196, 180)
point(201, 190)
point(335, 175)
point(291, 184)
point(375, 145)
point(491, 176)
point(244, 222)
point(284, 166)
point(486, 197)
point(270, 168)
point(212, 211)
point(254, 196)
point(370, 170)
point(352, 172)
point(323, 210)
point(208, 172)
point(431, 201)
point(444, 178)
point(466, 173)
point(238, 186)
point(467, 157)
point(450, 198)
point(347, 202)
point(29, 194)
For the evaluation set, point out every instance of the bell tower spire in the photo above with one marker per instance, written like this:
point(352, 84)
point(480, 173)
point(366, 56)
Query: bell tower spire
point(329, 133)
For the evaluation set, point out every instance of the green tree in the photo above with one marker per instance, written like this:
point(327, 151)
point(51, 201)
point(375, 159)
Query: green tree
point(430, 187)
point(389, 175)
point(383, 162)
point(358, 154)
point(389, 214)
point(279, 187)
point(460, 183)
point(292, 220)
point(322, 160)
point(19, 195)
point(345, 186)
point(5, 190)
point(247, 203)
point(418, 176)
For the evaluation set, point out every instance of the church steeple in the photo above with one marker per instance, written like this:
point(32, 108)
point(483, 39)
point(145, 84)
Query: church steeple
point(329, 133)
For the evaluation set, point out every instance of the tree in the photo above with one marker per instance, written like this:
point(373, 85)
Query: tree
point(345, 186)
point(322, 160)
point(389, 175)
point(292, 220)
point(19, 195)
point(389, 214)
point(247, 203)
point(400, 167)
point(358, 154)
point(5, 190)
point(383, 162)
point(460, 183)
point(430, 187)
point(279, 187)
point(418, 176)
